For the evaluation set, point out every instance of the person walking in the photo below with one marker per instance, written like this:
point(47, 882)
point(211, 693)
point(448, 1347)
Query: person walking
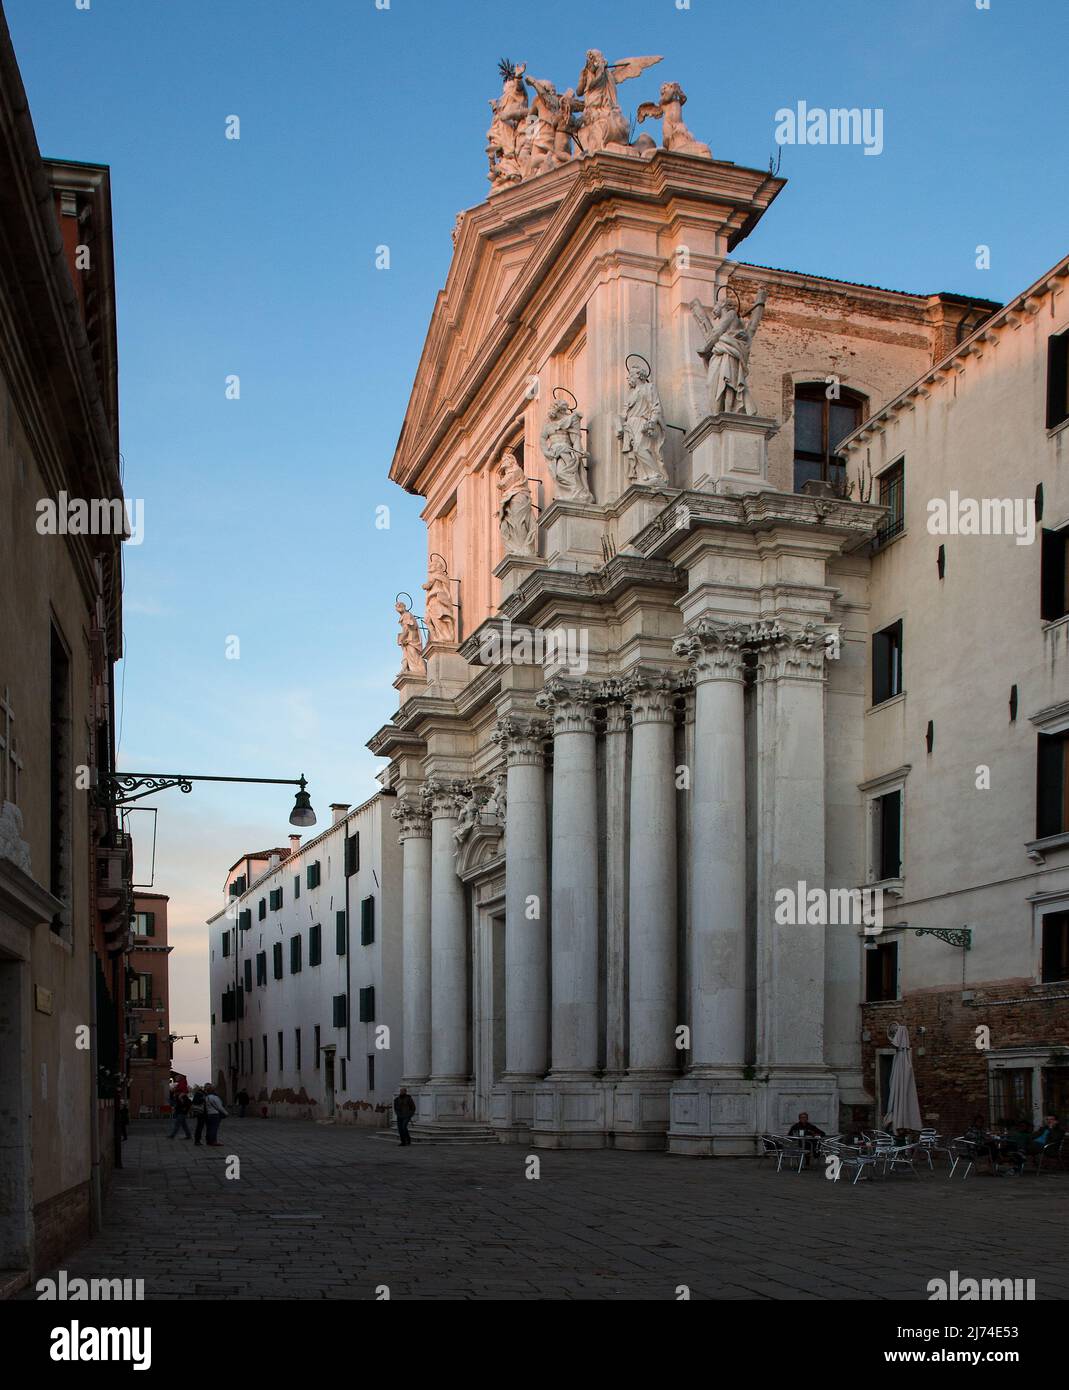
point(404, 1107)
point(242, 1099)
point(215, 1112)
point(197, 1110)
point(182, 1105)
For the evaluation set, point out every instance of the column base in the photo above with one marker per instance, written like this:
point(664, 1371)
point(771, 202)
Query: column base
point(725, 1115)
point(639, 1110)
point(445, 1098)
point(569, 1114)
point(512, 1106)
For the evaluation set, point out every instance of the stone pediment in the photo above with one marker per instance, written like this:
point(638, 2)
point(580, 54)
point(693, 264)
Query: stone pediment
point(483, 849)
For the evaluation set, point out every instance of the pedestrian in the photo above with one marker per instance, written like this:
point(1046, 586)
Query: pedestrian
point(182, 1106)
point(404, 1107)
point(216, 1113)
point(243, 1103)
point(197, 1110)
point(124, 1117)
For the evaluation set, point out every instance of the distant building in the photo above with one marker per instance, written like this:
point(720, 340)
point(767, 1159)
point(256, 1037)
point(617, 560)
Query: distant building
point(148, 1020)
point(306, 973)
point(966, 725)
point(65, 865)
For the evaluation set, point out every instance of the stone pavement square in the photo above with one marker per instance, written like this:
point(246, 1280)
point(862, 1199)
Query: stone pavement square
point(325, 1212)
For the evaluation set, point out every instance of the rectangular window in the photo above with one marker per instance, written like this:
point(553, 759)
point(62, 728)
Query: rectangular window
point(265, 1054)
point(317, 1047)
point(887, 859)
point(295, 954)
point(245, 919)
point(344, 1076)
point(297, 1048)
point(296, 885)
point(339, 933)
point(370, 1071)
point(892, 496)
point(313, 875)
point(281, 1052)
point(1054, 575)
point(1052, 785)
point(226, 943)
point(887, 663)
point(261, 967)
point(367, 921)
point(352, 854)
point(145, 923)
point(276, 953)
point(340, 1011)
point(367, 1005)
point(1057, 379)
point(1011, 1095)
point(1055, 947)
point(881, 973)
point(227, 1011)
point(261, 910)
point(315, 944)
point(238, 886)
point(248, 976)
point(276, 899)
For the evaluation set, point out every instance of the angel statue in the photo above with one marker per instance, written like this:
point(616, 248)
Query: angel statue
point(726, 354)
point(641, 427)
point(562, 448)
point(674, 134)
point(554, 123)
point(515, 512)
point(509, 111)
point(604, 124)
point(438, 613)
point(410, 640)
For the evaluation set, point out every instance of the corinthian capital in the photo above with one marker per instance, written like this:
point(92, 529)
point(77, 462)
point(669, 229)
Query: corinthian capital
point(521, 739)
point(445, 797)
point(793, 652)
point(570, 704)
point(413, 820)
point(715, 650)
point(652, 696)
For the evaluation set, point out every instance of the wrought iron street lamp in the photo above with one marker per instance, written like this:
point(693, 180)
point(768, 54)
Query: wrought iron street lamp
point(123, 788)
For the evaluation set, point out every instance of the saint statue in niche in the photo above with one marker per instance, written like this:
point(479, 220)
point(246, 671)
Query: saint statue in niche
point(515, 512)
point(726, 354)
point(640, 428)
point(562, 448)
point(438, 613)
point(410, 641)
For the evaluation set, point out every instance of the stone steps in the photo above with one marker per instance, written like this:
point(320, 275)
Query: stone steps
point(445, 1132)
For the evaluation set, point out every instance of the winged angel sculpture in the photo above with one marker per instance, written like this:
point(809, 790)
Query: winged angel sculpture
point(604, 124)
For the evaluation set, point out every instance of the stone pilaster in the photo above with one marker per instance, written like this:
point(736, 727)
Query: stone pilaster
point(449, 942)
point(616, 855)
point(414, 826)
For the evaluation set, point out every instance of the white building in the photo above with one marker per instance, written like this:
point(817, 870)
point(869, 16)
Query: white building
point(305, 973)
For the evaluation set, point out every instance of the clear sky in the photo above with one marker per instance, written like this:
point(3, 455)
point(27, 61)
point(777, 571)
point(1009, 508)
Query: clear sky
point(363, 127)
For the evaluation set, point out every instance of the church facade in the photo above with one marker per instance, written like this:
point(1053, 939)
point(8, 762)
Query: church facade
point(636, 726)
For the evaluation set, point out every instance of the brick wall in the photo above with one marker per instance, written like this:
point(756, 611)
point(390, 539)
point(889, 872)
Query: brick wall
point(61, 1225)
point(951, 1072)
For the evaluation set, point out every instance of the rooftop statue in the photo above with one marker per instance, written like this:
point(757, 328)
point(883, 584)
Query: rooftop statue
point(553, 121)
point(515, 511)
point(641, 427)
point(604, 125)
point(410, 641)
point(562, 448)
point(674, 133)
point(726, 354)
point(510, 111)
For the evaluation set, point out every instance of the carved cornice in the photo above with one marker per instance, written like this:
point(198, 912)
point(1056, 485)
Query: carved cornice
point(522, 739)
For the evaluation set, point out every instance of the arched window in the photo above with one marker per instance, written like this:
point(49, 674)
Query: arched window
point(820, 426)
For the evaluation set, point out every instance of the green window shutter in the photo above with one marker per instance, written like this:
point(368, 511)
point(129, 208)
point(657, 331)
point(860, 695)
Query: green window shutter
point(296, 885)
point(245, 919)
point(261, 911)
point(367, 1005)
point(352, 854)
point(313, 875)
point(315, 944)
point(277, 955)
point(261, 968)
point(248, 976)
point(339, 933)
point(150, 924)
point(340, 1011)
point(367, 921)
point(226, 942)
point(295, 954)
point(317, 1049)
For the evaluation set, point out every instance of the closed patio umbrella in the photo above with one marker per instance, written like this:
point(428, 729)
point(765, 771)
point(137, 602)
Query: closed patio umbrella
point(903, 1108)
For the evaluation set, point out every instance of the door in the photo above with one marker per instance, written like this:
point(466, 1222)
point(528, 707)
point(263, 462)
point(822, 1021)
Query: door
point(328, 1079)
point(488, 1013)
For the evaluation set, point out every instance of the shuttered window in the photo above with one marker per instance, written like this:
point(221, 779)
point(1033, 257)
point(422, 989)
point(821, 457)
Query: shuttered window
point(245, 919)
point(261, 909)
point(295, 954)
point(276, 899)
point(261, 968)
point(367, 921)
point(296, 885)
point(313, 875)
point(1054, 575)
point(276, 952)
point(340, 1011)
point(248, 976)
point(1052, 785)
point(367, 1005)
point(315, 944)
point(352, 854)
point(1057, 379)
point(887, 663)
point(340, 933)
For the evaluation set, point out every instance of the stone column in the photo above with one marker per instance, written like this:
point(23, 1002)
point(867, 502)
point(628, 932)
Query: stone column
point(449, 941)
point(790, 850)
point(574, 900)
point(652, 922)
point(415, 835)
point(616, 823)
point(526, 899)
point(717, 948)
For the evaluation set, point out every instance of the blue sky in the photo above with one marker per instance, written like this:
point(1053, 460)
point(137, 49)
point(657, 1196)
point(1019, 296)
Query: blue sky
point(362, 127)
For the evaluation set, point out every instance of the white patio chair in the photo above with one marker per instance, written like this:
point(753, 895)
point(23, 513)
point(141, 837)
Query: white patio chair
point(961, 1151)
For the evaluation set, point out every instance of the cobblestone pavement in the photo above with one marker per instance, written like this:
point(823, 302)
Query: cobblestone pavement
point(325, 1212)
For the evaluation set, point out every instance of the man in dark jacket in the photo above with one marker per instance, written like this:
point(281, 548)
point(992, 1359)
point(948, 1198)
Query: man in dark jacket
point(1048, 1136)
point(404, 1107)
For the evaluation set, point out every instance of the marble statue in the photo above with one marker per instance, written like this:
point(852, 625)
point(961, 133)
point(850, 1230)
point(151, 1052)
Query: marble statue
point(410, 641)
point(641, 428)
point(510, 111)
point(515, 512)
point(604, 125)
point(438, 613)
point(469, 815)
point(562, 448)
point(12, 846)
point(554, 121)
point(674, 133)
point(726, 354)
point(497, 802)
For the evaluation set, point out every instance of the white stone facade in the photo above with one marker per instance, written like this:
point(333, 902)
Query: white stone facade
point(337, 897)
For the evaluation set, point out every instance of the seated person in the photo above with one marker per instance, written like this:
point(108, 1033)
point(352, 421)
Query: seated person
point(1049, 1132)
point(977, 1131)
point(1008, 1143)
point(802, 1129)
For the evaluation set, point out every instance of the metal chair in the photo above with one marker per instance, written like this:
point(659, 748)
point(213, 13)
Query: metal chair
point(1055, 1152)
point(928, 1144)
point(849, 1156)
point(961, 1151)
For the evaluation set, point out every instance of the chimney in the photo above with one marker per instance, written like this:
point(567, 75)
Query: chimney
point(273, 862)
point(337, 811)
point(295, 844)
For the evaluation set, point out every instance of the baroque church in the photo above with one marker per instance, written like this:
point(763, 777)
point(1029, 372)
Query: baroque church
point(627, 440)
